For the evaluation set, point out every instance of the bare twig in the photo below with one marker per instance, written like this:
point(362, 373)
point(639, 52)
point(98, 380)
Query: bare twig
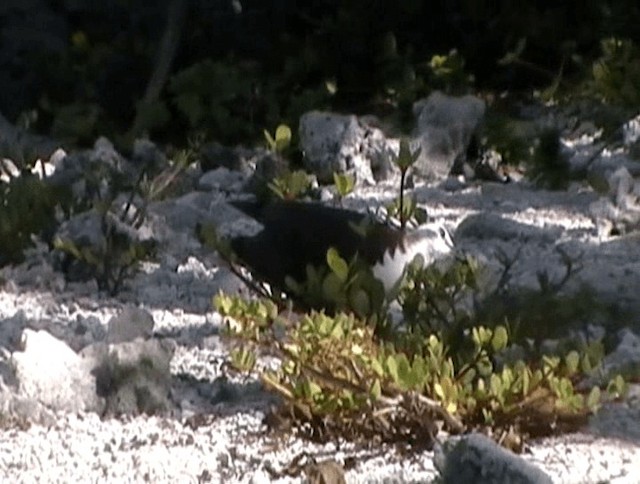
point(176, 14)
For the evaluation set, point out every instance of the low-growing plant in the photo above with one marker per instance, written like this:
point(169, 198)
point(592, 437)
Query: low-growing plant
point(451, 364)
point(280, 141)
point(616, 75)
point(438, 299)
point(517, 59)
point(522, 143)
point(217, 97)
point(549, 167)
point(342, 286)
point(340, 380)
point(114, 260)
point(28, 210)
point(508, 136)
point(294, 185)
point(402, 207)
point(345, 183)
point(117, 250)
point(447, 72)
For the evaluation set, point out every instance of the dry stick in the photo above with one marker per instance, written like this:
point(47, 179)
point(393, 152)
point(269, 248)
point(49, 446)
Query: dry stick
point(176, 14)
point(331, 380)
point(251, 284)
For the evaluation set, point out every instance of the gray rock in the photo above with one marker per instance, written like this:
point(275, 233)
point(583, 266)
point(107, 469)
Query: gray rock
point(133, 376)
point(625, 359)
point(620, 203)
point(104, 153)
point(625, 191)
point(11, 331)
point(51, 373)
point(85, 246)
point(221, 179)
point(327, 142)
point(631, 131)
point(266, 166)
point(229, 283)
point(181, 215)
point(16, 143)
point(444, 127)
point(130, 324)
point(91, 173)
point(84, 229)
point(10, 340)
point(336, 143)
point(22, 411)
point(214, 155)
point(476, 459)
point(617, 420)
point(493, 226)
point(147, 154)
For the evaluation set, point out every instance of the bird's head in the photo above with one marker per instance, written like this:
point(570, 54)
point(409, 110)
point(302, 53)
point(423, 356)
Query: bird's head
point(432, 242)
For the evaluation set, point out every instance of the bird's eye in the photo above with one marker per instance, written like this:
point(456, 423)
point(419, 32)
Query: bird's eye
point(443, 232)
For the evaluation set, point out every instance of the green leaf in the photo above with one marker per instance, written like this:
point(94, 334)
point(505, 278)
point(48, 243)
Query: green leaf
point(593, 399)
point(420, 372)
point(469, 376)
point(484, 366)
point(481, 336)
point(404, 372)
point(243, 359)
point(310, 389)
point(526, 381)
point(572, 360)
point(550, 363)
point(376, 366)
point(514, 55)
point(495, 385)
point(500, 338)
point(359, 301)
point(406, 157)
point(337, 264)
point(392, 367)
point(376, 390)
point(617, 387)
point(337, 331)
point(222, 303)
point(344, 183)
point(283, 138)
point(290, 186)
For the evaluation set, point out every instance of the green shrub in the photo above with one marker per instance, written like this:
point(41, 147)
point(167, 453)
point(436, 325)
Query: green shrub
point(337, 379)
point(117, 250)
point(616, 74)
point(466, 356)
point(216, 97)
point(28, 208)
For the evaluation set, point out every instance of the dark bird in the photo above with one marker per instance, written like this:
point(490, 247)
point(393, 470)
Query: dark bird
point(296, 234)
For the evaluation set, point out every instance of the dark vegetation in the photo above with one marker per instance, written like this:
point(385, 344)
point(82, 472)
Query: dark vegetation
point(194, 69)
point(121, 68)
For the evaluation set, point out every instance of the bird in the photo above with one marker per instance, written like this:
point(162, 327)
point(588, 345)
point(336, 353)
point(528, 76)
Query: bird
point(295, 234)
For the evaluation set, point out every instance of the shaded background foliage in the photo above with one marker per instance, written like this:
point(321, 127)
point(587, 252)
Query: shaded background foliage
point(76, 69)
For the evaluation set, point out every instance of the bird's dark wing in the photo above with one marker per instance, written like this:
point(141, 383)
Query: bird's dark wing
point(251, 208)
point(296, 234)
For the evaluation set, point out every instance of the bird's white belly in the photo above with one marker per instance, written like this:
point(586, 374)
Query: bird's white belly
point(390, 270)
point(431, 247)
